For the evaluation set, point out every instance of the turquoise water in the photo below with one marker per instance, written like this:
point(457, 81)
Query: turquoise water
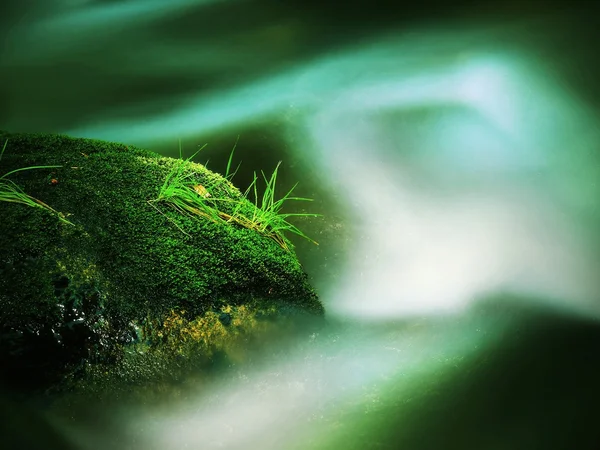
point(456, 162)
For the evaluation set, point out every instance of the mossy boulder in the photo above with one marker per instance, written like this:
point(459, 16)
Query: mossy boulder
point(126, 276)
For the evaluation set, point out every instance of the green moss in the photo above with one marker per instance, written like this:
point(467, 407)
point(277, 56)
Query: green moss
point(139, 259)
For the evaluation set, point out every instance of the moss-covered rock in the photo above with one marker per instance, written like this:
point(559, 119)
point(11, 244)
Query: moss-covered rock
point(126, 273)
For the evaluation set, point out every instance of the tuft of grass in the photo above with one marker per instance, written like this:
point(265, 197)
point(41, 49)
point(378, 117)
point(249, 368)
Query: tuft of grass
point(266, 217)
point(262, 214)
point(10, 192)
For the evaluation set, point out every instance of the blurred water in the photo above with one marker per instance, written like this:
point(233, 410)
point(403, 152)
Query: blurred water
point(456, 161)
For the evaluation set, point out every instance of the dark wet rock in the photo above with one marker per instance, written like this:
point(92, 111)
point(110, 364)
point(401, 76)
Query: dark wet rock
point(127, 290)
point(225, 318)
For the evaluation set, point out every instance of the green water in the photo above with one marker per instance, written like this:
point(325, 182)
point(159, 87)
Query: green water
point(456, 161)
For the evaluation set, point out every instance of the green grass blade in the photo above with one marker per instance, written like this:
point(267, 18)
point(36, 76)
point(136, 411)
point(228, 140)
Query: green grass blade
point(231, 158)
point(28, 168)
point(3, 148)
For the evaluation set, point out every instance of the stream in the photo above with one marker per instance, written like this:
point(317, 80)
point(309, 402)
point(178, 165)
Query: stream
point(455, 158)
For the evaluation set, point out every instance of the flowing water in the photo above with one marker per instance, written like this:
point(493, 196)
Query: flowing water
point(456, 162)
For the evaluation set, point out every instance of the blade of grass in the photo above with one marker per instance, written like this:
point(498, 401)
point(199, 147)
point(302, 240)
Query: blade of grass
point(27, 168)
point(231, 158)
